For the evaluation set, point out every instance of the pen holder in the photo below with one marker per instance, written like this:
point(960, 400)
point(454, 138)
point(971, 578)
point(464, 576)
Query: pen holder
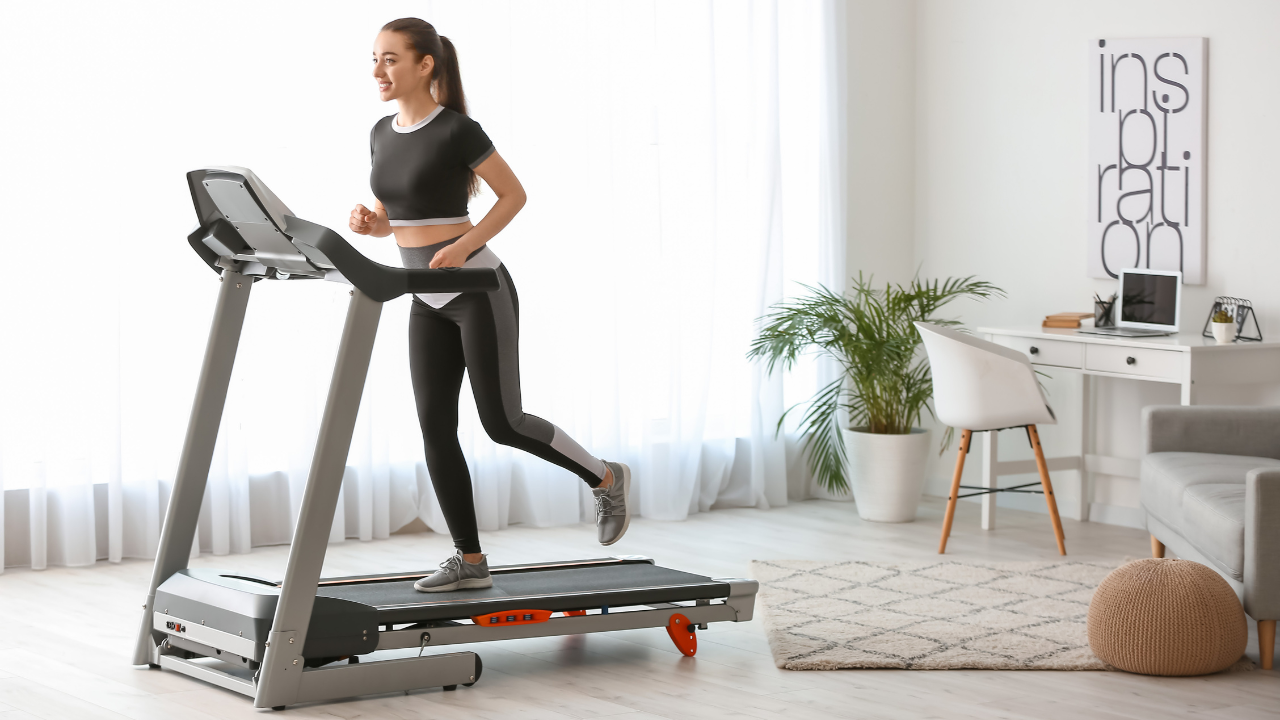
point(1103, 311)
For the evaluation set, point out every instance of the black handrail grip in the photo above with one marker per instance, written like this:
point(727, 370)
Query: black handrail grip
point(383, 282)
point(451, 280)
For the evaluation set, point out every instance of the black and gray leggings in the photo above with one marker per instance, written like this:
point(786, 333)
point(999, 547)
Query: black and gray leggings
point(477, 333)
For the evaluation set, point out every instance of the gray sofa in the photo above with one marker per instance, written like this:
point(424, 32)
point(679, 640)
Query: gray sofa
point(1211, 491)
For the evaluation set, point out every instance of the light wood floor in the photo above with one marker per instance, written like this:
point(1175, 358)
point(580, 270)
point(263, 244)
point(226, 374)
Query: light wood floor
point(66, 634)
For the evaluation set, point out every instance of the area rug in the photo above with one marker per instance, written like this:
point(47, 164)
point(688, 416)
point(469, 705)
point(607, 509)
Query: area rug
point(929, 615)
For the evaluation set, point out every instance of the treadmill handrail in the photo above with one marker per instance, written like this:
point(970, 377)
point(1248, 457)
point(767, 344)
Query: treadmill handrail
point(383, 282)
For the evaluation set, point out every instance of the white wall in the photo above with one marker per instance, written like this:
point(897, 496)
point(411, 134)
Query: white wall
point(882, 106)
point(1001, 166)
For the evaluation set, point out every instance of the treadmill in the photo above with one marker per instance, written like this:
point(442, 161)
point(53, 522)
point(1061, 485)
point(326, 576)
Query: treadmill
point(307, 639)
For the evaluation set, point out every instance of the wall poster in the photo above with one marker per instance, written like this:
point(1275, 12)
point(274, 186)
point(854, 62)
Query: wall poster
point(1147, 117)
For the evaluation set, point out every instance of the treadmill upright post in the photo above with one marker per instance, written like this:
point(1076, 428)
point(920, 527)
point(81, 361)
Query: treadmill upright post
point(282, 665)
point(178, 531)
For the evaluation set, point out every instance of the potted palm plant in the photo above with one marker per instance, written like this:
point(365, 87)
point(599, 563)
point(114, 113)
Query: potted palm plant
point(884, 389)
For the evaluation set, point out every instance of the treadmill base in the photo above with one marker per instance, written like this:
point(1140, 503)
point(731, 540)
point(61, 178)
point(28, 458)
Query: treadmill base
point(333, 682)
point(214, 627)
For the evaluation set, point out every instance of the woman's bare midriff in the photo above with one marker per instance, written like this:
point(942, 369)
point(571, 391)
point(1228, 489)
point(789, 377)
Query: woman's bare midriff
point(419, 235)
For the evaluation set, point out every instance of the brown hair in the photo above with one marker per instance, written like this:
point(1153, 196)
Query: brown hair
point(445, 78)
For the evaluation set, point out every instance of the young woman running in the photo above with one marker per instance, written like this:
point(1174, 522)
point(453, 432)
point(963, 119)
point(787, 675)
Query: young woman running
point(426, 160)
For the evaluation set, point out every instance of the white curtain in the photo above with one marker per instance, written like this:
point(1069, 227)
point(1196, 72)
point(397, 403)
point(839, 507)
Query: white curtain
point(685, 169)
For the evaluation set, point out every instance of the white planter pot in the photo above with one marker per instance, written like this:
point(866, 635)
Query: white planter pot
point(887, 473)
point(1224, 332)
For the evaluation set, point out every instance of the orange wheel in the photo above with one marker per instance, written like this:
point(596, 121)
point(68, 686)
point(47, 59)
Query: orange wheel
point(682, 634)
point(574, 613)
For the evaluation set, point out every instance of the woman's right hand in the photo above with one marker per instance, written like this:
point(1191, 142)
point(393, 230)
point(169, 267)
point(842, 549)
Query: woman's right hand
point(363, 220)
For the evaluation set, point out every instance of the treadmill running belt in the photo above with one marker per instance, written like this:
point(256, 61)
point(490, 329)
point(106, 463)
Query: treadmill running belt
point(565, 589)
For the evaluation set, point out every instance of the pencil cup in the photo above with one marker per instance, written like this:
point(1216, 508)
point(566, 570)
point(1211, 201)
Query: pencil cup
point(1102, 313)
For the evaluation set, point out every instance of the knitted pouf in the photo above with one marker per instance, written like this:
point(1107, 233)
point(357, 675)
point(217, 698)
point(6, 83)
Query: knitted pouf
point(1167, 617)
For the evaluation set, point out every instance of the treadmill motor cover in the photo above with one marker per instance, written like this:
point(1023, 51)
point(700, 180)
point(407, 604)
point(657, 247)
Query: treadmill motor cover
point(245, 606)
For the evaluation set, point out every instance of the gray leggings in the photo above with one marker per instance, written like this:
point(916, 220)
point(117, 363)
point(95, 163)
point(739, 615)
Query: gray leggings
point(476, 333)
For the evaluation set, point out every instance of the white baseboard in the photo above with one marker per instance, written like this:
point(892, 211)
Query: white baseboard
point(1117, 515)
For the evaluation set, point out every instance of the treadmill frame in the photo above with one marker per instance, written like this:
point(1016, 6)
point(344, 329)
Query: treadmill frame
point(282, 677)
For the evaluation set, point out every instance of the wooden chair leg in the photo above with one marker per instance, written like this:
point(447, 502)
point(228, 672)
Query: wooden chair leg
point(1157, 548)
point(965, 437)
point(1267, 642)
point(1048, 488)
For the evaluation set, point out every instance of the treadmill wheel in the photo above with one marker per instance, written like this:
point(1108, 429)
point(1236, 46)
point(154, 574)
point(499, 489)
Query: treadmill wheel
point(682, 634)
point(448, 688)
point(479, 670)
point(278, 708)
point(153, 666)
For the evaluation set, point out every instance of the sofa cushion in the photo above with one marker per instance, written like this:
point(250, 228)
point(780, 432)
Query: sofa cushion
point(1214, 517)
point(1165, 476)
point(1192, 494)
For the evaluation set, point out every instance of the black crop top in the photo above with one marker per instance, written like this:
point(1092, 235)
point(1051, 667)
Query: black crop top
point(420, 173)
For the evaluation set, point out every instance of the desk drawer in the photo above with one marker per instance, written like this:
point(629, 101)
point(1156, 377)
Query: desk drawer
point(1045, 352)
point(1164, 364)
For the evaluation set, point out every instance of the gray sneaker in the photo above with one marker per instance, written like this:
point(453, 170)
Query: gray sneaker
point(456, 574)
point(613, 515)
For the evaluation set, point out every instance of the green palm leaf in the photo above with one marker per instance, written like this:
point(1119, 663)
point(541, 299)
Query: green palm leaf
point(870, 332)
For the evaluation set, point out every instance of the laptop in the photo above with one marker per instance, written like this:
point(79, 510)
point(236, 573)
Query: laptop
point(1149, 304)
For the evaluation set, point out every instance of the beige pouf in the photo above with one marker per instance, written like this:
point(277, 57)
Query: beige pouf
point(1167, 617)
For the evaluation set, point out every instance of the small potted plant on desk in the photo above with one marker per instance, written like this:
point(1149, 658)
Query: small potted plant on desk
point(1224, 327)
point(884, 388)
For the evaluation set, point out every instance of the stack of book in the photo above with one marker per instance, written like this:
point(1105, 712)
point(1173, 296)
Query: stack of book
point(1065, 320)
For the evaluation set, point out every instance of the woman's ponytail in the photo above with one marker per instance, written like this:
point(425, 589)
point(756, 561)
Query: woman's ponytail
point(445, 77)
point(449, 80)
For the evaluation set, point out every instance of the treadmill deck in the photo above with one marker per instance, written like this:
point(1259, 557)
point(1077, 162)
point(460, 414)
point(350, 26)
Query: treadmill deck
point(556, 589)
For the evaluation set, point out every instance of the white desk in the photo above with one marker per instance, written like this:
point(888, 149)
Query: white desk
point(1187, 360)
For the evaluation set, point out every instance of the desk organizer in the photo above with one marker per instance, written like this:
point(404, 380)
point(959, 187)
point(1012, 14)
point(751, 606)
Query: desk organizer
point(1241, 310)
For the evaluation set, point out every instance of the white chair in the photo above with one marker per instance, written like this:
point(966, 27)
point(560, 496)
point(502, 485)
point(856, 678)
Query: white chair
point(979, 386)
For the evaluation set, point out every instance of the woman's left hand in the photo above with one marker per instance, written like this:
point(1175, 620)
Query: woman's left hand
point(451, 256)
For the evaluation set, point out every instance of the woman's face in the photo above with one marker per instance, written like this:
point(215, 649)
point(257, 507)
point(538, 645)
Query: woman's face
point(394, 67)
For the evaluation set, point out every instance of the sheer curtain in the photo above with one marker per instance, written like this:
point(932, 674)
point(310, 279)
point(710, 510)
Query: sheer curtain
point(685, 168)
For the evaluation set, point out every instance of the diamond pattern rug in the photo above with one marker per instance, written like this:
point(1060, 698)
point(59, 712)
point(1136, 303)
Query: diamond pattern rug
point(929, 615)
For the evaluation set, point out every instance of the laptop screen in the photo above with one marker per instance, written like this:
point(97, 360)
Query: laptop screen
point(1149, 299)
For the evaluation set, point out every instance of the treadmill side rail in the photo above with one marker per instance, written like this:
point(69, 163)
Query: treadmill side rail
point(577, 625)
point(742, 597)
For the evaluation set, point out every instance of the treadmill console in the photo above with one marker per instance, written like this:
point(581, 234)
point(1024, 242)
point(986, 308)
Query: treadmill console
point(243, 227)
